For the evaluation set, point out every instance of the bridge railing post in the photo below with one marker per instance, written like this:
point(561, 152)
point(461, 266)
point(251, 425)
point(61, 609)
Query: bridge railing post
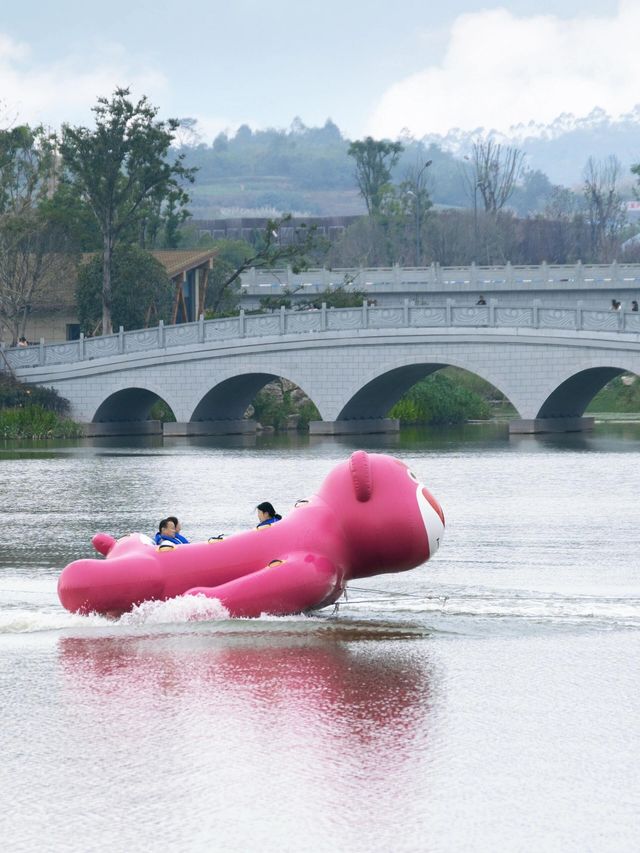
point(448, 313)
point(42, 354)
point(121, 340)
point(201, 329)
point(81, 347)
point(492, 312)
point(535, 320)
point(579, 315)
point(365, 313)
point(283, 320)
point(160, 334)
point(241, 323)
point(323, 317)
point(405, 312)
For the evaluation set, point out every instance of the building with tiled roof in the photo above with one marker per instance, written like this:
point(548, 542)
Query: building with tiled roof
point(54, 314)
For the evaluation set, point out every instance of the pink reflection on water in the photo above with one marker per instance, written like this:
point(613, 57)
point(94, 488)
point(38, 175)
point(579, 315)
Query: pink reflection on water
point(340, 694)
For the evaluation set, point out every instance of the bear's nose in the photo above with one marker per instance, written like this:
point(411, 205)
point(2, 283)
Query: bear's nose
point(434, 503)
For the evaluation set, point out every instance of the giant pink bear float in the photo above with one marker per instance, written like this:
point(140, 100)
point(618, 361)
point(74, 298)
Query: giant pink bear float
point(370, 516)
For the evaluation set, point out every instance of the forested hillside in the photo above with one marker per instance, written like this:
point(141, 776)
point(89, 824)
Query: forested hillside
point(307, 170)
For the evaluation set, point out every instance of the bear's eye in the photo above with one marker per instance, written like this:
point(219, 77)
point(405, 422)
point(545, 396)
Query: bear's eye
point(412, 475)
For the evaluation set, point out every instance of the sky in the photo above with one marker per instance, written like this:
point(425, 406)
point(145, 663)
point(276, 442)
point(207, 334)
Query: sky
point(378, 68)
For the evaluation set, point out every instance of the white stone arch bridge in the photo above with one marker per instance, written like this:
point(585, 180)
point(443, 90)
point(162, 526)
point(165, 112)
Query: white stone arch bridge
point(354, 363)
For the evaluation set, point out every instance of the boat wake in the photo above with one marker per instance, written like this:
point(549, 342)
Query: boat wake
point(30, 605)
point(503, 604)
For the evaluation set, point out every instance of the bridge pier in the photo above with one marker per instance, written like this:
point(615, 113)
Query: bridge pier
point(537, 425)
point(355, 426)
point(113, 428)
point(233, 426)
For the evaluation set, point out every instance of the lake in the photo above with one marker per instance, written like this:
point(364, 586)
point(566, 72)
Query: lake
point(486, 701)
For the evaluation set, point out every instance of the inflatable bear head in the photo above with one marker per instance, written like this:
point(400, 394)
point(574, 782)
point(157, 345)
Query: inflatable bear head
point(390, 521)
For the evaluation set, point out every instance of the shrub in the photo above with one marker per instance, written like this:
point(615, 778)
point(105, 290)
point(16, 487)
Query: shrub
point(15, 394)
point(439, 400)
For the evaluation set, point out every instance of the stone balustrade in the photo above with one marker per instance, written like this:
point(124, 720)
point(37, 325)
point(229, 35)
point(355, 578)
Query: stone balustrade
point(434, 277)
point(325, 321)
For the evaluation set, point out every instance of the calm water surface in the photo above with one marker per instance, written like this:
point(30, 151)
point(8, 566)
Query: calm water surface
point(488, 701)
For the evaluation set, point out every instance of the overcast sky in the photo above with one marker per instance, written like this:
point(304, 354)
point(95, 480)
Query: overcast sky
point(375, 67)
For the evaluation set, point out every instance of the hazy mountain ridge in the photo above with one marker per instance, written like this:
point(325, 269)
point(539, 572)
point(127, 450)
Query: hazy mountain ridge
point(307, 170)
point(562, 148)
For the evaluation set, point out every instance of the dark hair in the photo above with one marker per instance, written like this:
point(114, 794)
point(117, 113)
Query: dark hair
point(172, 518)
point(163, 524)
point(265, 506)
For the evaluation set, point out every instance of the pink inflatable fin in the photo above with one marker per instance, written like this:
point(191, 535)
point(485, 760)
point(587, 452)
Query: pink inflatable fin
point(103, 543)
point(304, 580)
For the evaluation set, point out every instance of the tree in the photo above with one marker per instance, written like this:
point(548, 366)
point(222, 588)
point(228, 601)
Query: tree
point(494, 171)
point(374, 161)
point(533, 193)
point(270, 250)
point(33, 250)
point(120, 167)
point(416, 194)
point(142, 291)
point(604, 207)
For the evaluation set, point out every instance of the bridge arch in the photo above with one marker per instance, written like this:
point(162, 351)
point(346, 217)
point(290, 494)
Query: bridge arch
point(128, 405)
point(230, 398)
point(572, 396)
point(377, 396)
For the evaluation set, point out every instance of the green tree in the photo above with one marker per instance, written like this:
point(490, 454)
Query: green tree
point(141, 290)
point(69, 211)
point(33, 250)
point(374, 161)
point(120, 167)
point(437, 400)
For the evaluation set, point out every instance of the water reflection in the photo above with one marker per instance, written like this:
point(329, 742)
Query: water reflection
point(470, 437)
point(332, 689)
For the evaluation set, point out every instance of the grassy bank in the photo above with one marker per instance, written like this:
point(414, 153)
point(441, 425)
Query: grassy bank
point(29, 411)
point(36, 422)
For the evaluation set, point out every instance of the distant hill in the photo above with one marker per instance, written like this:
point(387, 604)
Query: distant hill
point(307, 171)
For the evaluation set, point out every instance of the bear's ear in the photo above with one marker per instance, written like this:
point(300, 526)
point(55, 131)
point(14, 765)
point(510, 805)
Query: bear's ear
point(361, 475)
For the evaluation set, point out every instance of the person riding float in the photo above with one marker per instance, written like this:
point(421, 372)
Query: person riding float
point(267, 514)
point(169, 533)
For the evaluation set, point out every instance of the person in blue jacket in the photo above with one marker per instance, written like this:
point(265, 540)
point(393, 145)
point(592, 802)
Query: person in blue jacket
point(267, 514)
point(169, 533)
point(179, 535)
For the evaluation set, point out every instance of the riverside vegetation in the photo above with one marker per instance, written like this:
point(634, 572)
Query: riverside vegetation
point(28, 411)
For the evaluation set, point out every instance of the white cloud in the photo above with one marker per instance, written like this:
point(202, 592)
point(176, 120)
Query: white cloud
point(64, 91)
point(500, 70)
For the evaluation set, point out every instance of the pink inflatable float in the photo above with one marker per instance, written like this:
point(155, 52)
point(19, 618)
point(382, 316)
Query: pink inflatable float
point(370, 516)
